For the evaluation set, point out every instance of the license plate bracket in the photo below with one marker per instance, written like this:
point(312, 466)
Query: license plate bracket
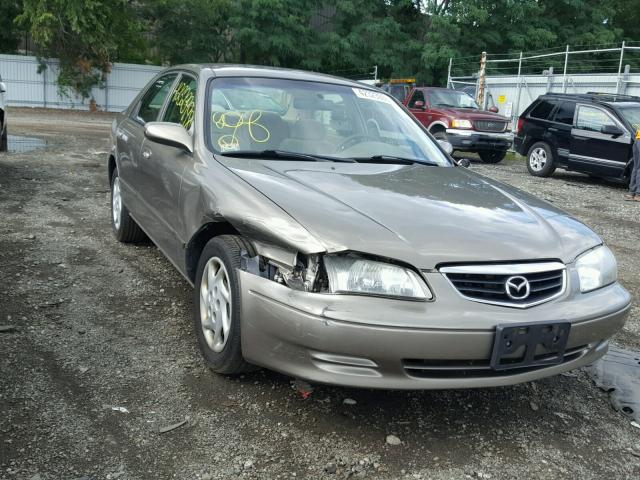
point(525, 340)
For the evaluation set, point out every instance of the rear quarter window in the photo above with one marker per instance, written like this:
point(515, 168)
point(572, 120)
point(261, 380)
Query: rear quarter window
point(543, 110)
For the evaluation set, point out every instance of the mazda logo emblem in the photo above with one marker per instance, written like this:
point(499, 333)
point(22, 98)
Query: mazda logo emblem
point(517, 288)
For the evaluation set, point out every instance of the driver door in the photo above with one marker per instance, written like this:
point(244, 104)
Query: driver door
point(592, 150)
point(418, 106)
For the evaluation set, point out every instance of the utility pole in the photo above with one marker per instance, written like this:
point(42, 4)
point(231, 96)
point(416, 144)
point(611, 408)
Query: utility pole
point(481, 82)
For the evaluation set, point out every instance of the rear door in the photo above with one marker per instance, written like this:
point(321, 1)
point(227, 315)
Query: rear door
point(563, 121)
point(595, 152)
point(163, 167)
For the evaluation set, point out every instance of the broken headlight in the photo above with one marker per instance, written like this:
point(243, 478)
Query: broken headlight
point(357, 275)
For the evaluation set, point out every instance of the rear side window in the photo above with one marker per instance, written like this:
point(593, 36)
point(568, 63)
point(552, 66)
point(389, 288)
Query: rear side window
point(565, 112)
point(591, 118)
point(181, 107)
point(543, 110)
point(152, 102)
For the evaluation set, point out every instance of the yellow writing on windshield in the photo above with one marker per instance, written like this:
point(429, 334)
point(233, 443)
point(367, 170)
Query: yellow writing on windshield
point(234, 121)
point(186, 102)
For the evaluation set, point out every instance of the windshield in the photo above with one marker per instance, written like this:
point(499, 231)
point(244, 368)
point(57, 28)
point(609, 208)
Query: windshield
point(451, 98)
point(632, 115)
point(333, 121)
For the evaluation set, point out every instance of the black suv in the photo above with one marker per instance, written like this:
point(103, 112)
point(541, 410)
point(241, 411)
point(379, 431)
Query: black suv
point(591, 133)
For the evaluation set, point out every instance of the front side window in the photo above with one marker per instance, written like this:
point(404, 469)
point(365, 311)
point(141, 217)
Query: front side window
point(417, 96)
point(181, 106)
point(152, 101)
point(452, 98)
point(593, 119)
point(257, 114)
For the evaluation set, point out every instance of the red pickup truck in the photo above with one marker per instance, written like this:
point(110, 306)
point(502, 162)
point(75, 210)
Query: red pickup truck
point(456, 117)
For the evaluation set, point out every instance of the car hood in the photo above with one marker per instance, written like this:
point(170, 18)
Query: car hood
point(425, 216)
point(468, 114)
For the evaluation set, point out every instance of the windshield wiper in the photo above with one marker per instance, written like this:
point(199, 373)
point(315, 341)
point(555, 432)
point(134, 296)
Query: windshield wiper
point(284, 155)
point(395, 160)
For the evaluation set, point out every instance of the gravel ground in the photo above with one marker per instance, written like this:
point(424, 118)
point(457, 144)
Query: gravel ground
point(100, 325)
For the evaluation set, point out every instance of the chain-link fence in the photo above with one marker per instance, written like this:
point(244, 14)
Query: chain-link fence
point(512, 82)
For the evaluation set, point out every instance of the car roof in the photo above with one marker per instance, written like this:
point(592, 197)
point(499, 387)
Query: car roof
point(234, 70)
point(610, 99)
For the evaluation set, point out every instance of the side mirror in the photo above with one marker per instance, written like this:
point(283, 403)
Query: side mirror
point(464, 162)
point(3, 87)
point(613, 130)
point(446, 146)
point(171, 134)
point(494, 109)
point(419, 104)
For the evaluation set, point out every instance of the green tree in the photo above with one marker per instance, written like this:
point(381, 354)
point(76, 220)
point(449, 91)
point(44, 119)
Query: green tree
point(9, 32)
point(86, 35)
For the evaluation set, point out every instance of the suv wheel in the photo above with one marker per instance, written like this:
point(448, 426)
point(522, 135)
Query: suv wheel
point(492, 156)
point(217, 304)
point(540, 161)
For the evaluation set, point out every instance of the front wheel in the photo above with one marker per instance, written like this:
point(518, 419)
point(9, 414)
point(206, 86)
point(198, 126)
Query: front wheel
point(540, 161)
point(217, 305)
point(492, 156)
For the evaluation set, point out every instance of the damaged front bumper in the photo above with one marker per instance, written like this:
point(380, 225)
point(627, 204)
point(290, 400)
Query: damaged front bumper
point(368, 342)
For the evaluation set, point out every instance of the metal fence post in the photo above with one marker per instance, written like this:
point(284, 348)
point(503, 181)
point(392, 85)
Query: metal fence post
point(481, 80)
point(625, 79)
point(620, 68)
point(564, 78)
point(44, 84)
point(449, 73)
point(106, 92)
point(550, 79)
point(516, 111)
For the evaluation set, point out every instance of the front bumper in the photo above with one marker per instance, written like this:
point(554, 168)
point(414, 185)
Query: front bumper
point(377, 343)
point(471, 140)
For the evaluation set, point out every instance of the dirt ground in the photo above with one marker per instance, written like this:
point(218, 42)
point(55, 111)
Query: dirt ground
point(100, 325)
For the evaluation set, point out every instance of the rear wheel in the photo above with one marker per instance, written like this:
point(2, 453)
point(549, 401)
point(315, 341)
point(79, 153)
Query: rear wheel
point(540, 161)
point(492, 156)
point(124, 227)
point(217, 305)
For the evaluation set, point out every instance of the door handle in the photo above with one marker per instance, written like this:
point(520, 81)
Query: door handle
point(146, 153)
point(552, 129)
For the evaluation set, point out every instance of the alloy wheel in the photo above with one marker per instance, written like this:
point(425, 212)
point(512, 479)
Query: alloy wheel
point(215, 304)
point(538, 159)
point(116, 203)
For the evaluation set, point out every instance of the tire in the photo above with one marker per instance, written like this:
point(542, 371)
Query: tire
point(222, 350)
point(4, 143)
point(492, 156)
point(440, 135)
point(124, 227)
point(540, 160)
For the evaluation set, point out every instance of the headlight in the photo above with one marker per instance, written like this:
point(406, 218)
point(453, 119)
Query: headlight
point(458, 123)
point(353, 274)
point(596, 268)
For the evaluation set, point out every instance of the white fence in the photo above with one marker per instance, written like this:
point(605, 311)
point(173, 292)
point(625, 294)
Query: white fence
point(28, 88)
point(515, 81)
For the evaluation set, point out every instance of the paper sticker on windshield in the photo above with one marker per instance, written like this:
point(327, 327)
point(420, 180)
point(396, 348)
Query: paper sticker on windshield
point(371, 95)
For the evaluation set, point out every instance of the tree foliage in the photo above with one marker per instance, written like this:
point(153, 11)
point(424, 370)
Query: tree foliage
point(349, 37)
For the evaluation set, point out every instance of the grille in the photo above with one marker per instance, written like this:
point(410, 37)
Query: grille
point(490, 125)
point(475, 368)
point(488, 284)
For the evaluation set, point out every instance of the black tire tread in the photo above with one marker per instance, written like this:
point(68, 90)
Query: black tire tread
point(232, 363)
point(492, 156)
point(4, 143)
point(130, 231)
